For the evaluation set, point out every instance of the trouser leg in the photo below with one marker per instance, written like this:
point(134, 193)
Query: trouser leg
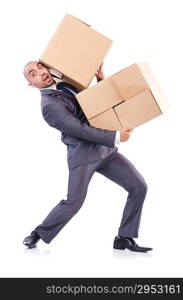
point(122, 171)
point(79, 179)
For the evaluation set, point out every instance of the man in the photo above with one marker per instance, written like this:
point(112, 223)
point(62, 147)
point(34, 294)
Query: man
point(90, 150)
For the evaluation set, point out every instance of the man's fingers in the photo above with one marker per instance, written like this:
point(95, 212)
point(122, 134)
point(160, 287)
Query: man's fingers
point(129, 129)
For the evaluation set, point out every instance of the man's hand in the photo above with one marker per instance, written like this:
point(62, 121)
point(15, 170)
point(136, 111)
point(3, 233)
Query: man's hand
point(100, 74)
point(125, 134)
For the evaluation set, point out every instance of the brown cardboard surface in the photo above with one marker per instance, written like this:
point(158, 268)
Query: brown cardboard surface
point(138, 110)
point(154, 86)
point(99, 98)
point(129, 81)
point(76, 50)
point(106, 120)
point(135, 79)
point(130, 85)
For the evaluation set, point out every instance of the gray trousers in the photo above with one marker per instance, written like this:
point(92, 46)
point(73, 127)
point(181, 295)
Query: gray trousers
point(115, 167)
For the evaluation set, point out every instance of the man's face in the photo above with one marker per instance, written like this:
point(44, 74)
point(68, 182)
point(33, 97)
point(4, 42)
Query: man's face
point(38, 75)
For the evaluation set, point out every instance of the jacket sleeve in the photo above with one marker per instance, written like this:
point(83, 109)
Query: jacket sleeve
point(62, 119)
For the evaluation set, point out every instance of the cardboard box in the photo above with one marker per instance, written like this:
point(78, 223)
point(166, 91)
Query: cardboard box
point(140, 109)
point(76, 50)
point(106, 120)
point(130, 97)
point(99, 97)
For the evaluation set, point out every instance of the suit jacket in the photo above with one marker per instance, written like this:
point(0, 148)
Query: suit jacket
point(85, 144)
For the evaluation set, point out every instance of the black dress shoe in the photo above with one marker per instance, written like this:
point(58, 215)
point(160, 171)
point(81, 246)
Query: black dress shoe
point(31, 240)
point(123, 243)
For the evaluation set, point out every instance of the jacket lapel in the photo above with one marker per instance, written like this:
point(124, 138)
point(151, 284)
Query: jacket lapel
point(68, 100)
point(56, 93)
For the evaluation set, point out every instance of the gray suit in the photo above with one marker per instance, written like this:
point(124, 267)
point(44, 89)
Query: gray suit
point(85, 144)
point(89, 149)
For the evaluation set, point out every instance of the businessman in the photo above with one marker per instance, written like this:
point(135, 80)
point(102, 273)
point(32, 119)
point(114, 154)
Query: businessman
point(89, 150)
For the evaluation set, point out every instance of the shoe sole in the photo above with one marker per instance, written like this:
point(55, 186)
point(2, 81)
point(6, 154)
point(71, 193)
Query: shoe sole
point(123, 248)
point(30, 247)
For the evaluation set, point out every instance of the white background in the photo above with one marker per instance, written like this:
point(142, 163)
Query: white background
point(34, 170)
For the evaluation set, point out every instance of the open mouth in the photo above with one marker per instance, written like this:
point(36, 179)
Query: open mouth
point(46, 78)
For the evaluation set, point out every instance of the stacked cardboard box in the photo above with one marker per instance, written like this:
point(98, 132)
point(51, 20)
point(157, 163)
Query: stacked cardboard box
point(128, 98)
point(75, 50)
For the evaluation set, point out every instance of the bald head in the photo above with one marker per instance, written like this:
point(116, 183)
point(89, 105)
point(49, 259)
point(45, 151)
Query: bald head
point(37, 74)
point(26, 68)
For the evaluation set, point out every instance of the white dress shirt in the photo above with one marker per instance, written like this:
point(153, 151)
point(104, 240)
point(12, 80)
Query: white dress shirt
point(117, 138)
point(53, 87)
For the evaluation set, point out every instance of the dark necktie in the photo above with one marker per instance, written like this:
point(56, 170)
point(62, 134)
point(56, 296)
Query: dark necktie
point(67, 88)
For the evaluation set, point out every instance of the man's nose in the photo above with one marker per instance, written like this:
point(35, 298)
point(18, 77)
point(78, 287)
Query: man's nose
point(41, 72)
